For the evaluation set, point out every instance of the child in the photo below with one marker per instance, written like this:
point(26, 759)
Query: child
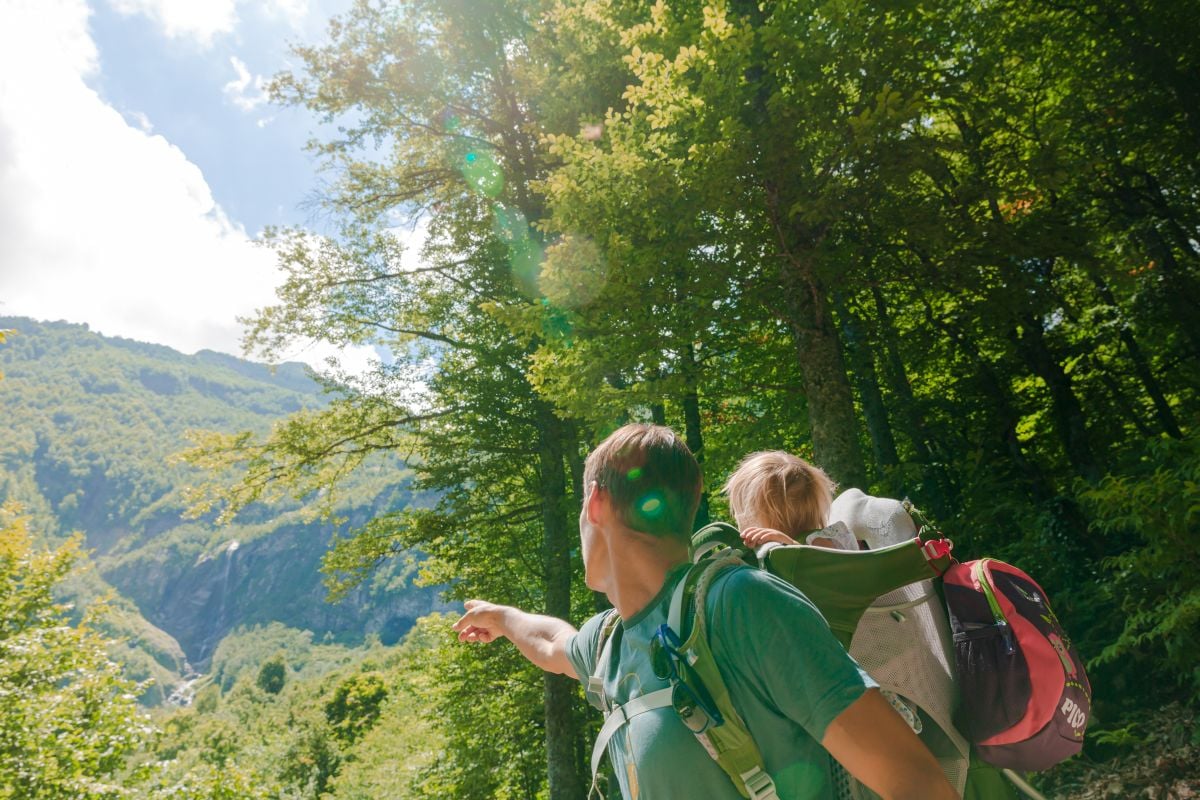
point(778, 497)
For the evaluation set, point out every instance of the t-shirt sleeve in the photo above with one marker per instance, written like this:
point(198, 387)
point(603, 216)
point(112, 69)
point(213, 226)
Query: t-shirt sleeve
point(769, 638)
point(582, 647)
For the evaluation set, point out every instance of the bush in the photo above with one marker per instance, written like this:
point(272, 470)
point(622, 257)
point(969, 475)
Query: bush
point(69, 721)
point(355, 705)
point(273, 674)
point(1153, 581)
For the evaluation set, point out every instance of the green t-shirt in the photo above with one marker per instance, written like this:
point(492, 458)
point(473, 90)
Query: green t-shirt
point(786, 674)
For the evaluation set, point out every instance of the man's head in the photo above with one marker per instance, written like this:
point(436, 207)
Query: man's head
point(651, 479)
point(774, 489)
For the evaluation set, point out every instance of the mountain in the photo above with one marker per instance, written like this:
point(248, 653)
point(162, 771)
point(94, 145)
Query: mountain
point(88, 435)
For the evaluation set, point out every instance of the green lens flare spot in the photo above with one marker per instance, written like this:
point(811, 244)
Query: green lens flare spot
point(483, 174)
point(634, 473)
point(652, 506)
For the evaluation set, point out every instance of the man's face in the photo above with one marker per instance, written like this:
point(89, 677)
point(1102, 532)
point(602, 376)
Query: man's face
point(592, 548)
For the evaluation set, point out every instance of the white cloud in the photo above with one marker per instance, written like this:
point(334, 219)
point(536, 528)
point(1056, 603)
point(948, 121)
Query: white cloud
point(294, 11)
point(142, 121)
point(200, 20)
point(247, 92)
point(101, 221)
point(204, 20)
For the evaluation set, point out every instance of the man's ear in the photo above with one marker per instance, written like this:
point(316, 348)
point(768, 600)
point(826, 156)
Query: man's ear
point(597, 503)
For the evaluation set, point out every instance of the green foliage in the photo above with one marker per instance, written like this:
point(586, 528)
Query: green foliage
point(1154, 513)
point(311, 760)
point(959, 238)
point(355, 705)
point(1125, 737)
point(247, 650)
point(947, 249)
point(69, 723)
point(95, 464)
point(227, 782)
point(493, 744)
point(358, 728)
point(4, 334)
point(272, 674)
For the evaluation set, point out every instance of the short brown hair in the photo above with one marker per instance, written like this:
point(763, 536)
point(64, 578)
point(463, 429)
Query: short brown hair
point(652, 477)
point(774, 489)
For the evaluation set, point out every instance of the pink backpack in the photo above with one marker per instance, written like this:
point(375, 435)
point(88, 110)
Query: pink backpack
point(1025, 696)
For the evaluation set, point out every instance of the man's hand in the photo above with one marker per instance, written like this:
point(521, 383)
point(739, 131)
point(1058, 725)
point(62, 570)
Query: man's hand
point(483, 622)
point(757, 537)
point(541, 639)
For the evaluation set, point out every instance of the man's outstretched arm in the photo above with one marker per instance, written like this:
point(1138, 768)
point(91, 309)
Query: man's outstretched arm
point(876, 746)
point(541, 639)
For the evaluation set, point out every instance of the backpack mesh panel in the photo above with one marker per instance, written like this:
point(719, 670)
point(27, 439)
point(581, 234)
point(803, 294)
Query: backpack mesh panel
point(903, 641)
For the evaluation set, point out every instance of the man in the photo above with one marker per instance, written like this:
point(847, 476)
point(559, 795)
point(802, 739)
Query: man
point(798, 691)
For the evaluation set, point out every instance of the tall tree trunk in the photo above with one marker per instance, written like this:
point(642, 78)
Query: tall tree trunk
point(831, 418)
point(1121, 401)
point(658, 413)
point(862, 363)
point(897, 375)
point(572, 444)
point(562, 724)
point(946, 494)
point(692, 430)
point(1068, 413)
point(1031, 340)
point(1141, 366)
point(804, 307)
point(1005, 416)
point(1179, 294)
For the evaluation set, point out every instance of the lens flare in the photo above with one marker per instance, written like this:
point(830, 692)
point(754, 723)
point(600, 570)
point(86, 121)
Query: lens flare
point(574, 273)
point(652, 505)
point(557, 325)
point(482, 173)
point(525, 254)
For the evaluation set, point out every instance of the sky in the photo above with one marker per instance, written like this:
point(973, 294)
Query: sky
point(140, 159)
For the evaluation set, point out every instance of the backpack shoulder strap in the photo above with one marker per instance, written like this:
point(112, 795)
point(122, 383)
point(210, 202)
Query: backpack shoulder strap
point(615, 716)
point(595, 683)
point(728, 743)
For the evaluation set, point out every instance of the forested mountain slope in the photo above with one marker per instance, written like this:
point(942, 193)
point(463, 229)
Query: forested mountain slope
point(90, 429)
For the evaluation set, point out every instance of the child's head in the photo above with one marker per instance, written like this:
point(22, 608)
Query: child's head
point(774, 489)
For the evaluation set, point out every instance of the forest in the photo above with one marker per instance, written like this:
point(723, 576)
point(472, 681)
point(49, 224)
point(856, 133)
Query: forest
point(949, 251)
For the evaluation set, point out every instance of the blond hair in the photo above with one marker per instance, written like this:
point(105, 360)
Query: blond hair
point(774, 489)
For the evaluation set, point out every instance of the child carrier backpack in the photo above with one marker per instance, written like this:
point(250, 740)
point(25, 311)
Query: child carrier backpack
point(841, 584)
point(1025, 696)
point(857, 590)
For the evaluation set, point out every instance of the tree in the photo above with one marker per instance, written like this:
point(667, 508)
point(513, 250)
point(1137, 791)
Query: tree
point(272, 674)
point(69, 722)
point(355, 705)
point(750, 164)
point(443, 84)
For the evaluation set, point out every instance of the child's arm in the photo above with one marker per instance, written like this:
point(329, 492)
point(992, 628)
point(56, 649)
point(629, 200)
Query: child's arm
point(756, 537)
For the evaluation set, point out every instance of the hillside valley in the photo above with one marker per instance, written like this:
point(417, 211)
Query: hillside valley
point(89, 439)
